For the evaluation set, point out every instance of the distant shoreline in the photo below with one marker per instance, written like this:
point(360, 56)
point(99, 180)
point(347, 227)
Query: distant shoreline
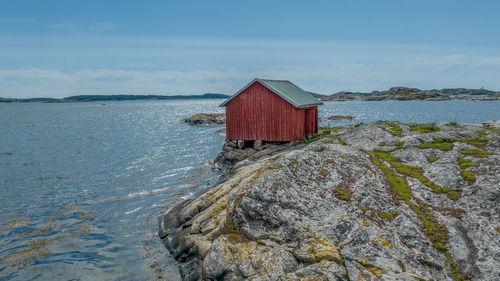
point(406, 94)
point(91, 98)
point(394, 93)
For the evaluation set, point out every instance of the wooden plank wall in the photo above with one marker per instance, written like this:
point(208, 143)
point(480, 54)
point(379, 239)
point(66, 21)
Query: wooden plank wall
point(311, 120)
point(259, 114)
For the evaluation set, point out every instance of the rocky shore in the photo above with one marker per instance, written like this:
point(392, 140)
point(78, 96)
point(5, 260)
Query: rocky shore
point(377, 201)
point(206, 119)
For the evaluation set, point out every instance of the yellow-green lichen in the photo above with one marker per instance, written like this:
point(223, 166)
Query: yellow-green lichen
point(382, 241)
point(342, 192)
point(323, 172)
point(388, 215)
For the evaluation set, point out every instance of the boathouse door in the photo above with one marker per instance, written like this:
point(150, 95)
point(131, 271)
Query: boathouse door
point(310, 121)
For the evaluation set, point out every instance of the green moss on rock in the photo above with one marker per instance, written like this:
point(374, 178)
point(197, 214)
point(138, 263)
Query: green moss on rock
point(388, 215)
point(469, 176)
point(444, 144)
point(479, 153)
point(475, 141)
point(465, 163)
point(412, 171)
point(432, 159)
point(424, 128)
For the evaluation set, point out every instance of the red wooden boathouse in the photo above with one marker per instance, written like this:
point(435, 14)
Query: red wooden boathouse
point(271, 110)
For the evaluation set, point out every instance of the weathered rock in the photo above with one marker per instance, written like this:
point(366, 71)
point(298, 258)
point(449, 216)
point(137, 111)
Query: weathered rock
point(206, 119)
point(492, 123)
point(350, 206)
point(341, 118)
point(234, 151)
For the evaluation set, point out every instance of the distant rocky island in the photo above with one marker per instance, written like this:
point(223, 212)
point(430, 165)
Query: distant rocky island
point(394, 93)
point(404, 93)
point(379, 201)
point(88, 98)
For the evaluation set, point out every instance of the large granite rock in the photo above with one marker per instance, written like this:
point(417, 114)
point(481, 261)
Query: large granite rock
point(378, 201)
point(206, 119)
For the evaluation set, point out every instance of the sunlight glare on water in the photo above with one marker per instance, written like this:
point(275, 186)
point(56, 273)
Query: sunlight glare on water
point(82, 184)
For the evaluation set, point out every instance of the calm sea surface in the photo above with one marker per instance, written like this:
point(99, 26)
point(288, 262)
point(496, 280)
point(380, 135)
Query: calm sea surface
point(82, 184)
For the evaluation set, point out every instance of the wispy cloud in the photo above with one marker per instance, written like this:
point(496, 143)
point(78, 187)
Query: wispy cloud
point(154, 65)
point(41, 82)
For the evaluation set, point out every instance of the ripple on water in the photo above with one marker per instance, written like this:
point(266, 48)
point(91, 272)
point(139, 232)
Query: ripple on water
point(83, 184)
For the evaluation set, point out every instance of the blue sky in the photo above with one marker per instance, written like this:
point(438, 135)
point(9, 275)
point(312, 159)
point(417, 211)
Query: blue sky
point(61, 48)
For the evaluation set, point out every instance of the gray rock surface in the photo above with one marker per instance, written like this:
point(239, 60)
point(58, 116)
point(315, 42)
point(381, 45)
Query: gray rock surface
point(341, 118)
point(206, 119)
point(352, 205)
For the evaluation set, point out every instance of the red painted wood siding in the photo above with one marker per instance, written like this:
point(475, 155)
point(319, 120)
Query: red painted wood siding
point(257, 113)
point(311, 121)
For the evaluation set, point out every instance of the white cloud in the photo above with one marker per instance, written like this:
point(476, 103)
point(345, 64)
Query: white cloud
point(54, 83)
point(152, 65)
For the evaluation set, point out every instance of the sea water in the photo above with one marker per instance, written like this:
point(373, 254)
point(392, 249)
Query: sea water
point(82, 184)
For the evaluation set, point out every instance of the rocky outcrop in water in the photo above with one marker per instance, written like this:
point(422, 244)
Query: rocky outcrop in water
point(206, 119)
point(341, 118)
point(378, 201)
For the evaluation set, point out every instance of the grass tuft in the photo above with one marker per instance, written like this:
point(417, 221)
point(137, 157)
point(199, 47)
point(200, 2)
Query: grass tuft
point(326, 129)
point(396, 130)
point(412, 171)
point(444, 144)
point(432, 159)
point(424, 128)
point(469, 177)
point(465, 163)
point(311, 140)
point(478, 153)
point(477, 142)
point(492, 129)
